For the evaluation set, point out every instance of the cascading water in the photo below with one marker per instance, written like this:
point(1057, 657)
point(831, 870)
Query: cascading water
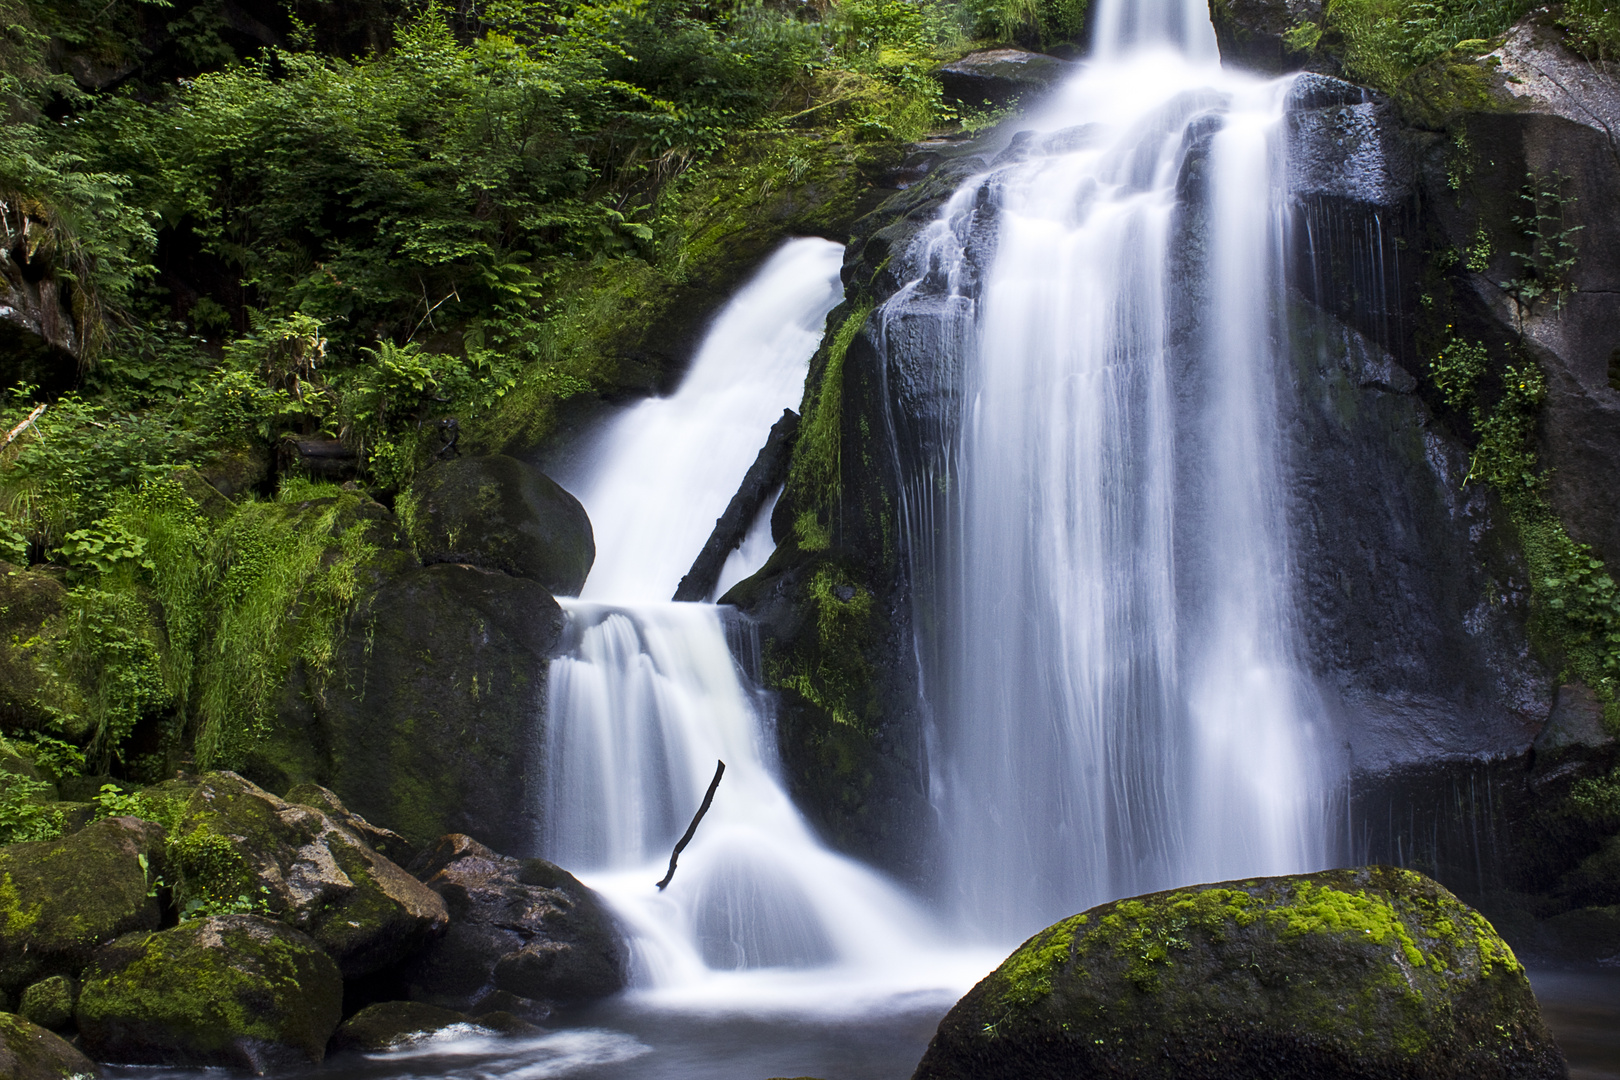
point(1097, 539)
point(649, 695)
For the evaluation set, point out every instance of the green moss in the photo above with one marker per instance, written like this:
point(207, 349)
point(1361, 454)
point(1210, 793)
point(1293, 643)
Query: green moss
point(17, 917)
point(1317, 910)
point(816, 473)
point(834, 674)
point(1027, 974)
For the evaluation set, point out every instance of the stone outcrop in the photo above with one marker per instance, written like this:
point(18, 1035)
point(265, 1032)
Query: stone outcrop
point(1367, 973)
point(237, 991)
point(308, 865)
point(524, 935)
point(497, 513)
point(428, 722)
point(999, 77)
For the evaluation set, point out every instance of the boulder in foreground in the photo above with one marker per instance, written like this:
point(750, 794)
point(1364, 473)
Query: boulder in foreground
point(1360, 974)
point(232, 990)
point(29, 1052)
point(524, 934)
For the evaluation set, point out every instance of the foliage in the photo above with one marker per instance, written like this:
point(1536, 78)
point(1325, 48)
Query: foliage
point(1591, 27)
point(1457, 369)
point(24, 812)
point(1038, 23)
point(1382, 42)
point(1550, 248)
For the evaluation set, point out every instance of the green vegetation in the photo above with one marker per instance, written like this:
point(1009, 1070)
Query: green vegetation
point(818, 455)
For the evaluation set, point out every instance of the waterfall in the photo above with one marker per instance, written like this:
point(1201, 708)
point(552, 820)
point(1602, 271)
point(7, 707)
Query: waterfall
point(649, 694)
point(1096, 530)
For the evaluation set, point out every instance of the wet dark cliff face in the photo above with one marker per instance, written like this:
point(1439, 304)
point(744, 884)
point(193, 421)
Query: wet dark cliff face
point(1412, 585)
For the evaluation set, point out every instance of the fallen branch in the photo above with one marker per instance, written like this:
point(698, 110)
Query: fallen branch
point(680, 845)
point(18, 430)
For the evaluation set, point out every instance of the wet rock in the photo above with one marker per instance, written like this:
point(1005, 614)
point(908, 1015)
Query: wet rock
point(49, 1002)
point(1365, 973)
point(390, 1024)
point(61, 899)
point(233, 990)
point(431, 713)
point(1269, 36)
point(999, 77)
point(314, 870)
point(1575, 723)
point(29, 1052)
point(524, 929)
point(497, 513)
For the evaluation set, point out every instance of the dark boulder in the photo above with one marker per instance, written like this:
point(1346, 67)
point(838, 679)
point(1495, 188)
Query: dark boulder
point(391, 1024)
point(432, 710)
point(497, 513)
point(29, 1052)
point(519, 929)
point(316, 872)
point(1365, 973)
point(49, 1002)
point(29, 600)
point(233, 990)
point(61, 899)
point(1269, 36)
point(1000, 77)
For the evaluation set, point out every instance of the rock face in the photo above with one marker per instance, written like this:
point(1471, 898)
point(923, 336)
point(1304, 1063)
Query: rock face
point(497, 513)
point(1271, 36)
point(234, 990)
point(49, 1002)
point(311, 867)
point(999, 77)
point(29, 1052)
point(60, 899)
point(523, 929)
point(429, 719)
point(1366, 973)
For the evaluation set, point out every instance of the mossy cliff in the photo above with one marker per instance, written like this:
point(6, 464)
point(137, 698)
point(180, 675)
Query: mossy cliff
point(1366, 973)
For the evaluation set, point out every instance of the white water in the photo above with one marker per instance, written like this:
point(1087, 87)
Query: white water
point(664, 470)
point(1099, 546)
point(759, 916)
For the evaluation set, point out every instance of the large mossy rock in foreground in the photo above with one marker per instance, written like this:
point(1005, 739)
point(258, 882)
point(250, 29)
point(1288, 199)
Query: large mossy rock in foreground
point(362, 909)
point(432, 711)
point(500, 514)
point(1367, 974)
point(29, 1052)
point(60, 899)
point(234, 990)
point(524, 934)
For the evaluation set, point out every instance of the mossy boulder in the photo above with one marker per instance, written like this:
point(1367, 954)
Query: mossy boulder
point(431, 715)
point(61, 899)
point(233, 990)
point(1365, 973)
point(233, 838)
point(49, 1002)
point(1001, 77)
point(521, 932)
point(30, 600)
point(500, 514)
point(390, 1024)
point(29, 1052)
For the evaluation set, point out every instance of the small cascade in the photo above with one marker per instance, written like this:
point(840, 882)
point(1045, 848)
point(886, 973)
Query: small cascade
point(649, 694)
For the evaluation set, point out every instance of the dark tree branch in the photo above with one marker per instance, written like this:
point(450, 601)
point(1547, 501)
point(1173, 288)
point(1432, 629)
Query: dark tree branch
point(680, 846)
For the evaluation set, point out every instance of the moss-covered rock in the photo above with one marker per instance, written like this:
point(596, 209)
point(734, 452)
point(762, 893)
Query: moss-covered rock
point(49, 1002)
point(60, 899)
point(232, 990)
point(1001, 77)
point(431, 717)
point(500, 514)
point(29, 601)
point(29, 1052)
point(1365, 973)
point(383, 841)
point(525, 929)
point(234, 839)
point(389, 1024)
